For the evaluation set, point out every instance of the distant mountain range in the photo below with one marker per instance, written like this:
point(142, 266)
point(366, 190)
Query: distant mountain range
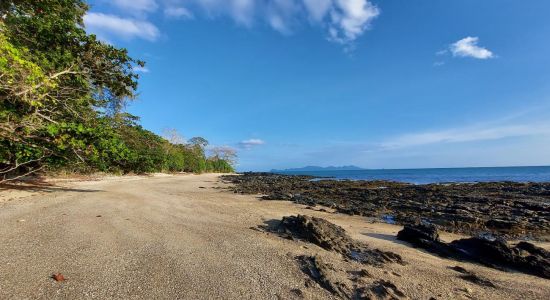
point(317, 169)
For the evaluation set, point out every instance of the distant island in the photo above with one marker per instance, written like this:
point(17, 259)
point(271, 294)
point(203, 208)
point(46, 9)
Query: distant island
point(317, 168)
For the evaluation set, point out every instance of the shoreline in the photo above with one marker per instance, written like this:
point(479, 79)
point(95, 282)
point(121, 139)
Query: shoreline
point(505, 209)
point(421, 176)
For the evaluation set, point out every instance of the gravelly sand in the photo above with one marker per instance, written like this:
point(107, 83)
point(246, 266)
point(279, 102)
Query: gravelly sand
point(182, 236)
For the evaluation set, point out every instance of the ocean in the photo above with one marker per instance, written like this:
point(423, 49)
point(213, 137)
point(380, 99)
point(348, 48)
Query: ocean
point(440, 175)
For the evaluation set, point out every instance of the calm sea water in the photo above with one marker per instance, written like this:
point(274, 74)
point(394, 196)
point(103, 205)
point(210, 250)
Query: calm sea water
point(424, 176)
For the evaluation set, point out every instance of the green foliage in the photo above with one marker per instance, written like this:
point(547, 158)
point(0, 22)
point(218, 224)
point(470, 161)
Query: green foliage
point(219, 165)
point(61, 95)
point(152, 153)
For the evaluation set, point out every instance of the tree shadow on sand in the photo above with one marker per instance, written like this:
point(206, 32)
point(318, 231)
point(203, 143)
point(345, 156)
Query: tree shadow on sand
point(41, 186)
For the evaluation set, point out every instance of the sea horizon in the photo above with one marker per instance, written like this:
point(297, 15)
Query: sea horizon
point(429, 168)
point(437, 175)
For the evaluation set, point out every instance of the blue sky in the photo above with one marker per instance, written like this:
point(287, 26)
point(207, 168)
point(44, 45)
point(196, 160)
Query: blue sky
point(378, 84)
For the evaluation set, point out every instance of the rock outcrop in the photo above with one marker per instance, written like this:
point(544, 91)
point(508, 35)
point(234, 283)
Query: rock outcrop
point(492, 252)
point(508, 209)
point(333, 238)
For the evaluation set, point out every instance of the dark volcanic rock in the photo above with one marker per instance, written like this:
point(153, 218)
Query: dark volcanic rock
point(333, 238)
point(533, 250)
point(524, 257)
point(317, 231)
point(419, 234)
point(380, 290)
point(508, 209)
point(339, 283)
point(495, 253)
point(325, 275)
point(425, 236)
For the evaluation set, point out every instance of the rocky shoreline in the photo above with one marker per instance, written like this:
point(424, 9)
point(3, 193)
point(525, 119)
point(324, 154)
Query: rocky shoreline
point(354, 281)
point(508, 210)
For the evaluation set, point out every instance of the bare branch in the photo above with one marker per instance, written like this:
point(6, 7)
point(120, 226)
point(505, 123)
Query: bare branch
point(22, 175)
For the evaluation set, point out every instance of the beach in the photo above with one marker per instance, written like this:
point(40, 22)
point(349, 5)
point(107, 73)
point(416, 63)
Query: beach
point(192, 237)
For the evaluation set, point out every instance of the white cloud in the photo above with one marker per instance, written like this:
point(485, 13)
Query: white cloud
point(344, 20)
point(467, 134)
point(278, 23)
point(280, 14)
point(104, 24)
point(247, 144)
point(467, 47)
point(135, 6)
point(318, 9)
point(140, 69)
point(241, 11)
point(178, 12)
point(350, 19)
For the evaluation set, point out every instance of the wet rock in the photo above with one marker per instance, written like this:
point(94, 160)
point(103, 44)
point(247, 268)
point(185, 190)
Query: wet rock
point(333, 238)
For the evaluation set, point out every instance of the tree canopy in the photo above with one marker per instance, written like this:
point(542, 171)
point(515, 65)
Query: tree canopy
point(62, 94)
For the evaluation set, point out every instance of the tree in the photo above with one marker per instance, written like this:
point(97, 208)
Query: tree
point(225, 153)
point(198, 141)
point(56, 85)
point(173, 136)
point(62, 95)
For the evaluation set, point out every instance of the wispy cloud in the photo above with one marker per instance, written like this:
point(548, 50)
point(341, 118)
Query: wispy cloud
point(135, 6)
point(350, 18)
point(250, 143)
point(343, 20)
point(106, 25)
point(178, 12)
point(467, 134)
point(140, 69)
point(241, 11)
point(501, 142)
point(468, 47)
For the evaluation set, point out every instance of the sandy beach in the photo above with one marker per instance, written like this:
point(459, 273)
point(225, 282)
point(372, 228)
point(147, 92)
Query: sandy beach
point(187, 237)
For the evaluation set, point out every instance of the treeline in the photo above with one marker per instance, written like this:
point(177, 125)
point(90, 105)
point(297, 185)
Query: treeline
point(62, 94)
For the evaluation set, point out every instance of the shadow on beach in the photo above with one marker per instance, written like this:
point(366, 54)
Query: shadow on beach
point(386, 237)
point(41, 186)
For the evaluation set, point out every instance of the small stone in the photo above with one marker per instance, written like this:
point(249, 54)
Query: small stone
point(58, 277)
